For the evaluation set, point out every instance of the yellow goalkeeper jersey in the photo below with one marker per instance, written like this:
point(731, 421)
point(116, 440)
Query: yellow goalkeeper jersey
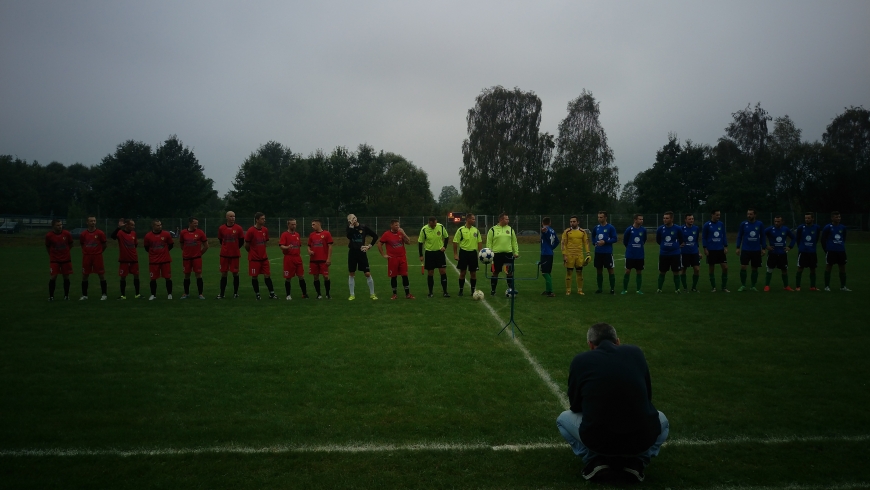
point(575, 242)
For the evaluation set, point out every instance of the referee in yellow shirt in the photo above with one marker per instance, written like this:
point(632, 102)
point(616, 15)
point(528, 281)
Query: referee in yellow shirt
point(502, 240)
point(466, 245)
point(575, 253)
point(433, 240)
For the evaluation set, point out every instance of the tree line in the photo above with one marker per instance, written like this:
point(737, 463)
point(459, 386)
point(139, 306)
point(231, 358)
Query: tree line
point(753, 166)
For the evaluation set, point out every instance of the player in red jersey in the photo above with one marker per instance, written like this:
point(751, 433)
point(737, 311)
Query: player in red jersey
point(291, 245)
point(320, 256)
point(231, 237)
point(193, 246)
point(258, 262)
point(128, 257)
point(395, 240)
point(93, 242)
point(58, 242)
point(158, 243)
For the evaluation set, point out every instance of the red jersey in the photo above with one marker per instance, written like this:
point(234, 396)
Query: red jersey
point(191, 243)
point(58, 245)
point(318, 243)
point(158, 247)
point(92, 242)
point(231, 238)
point(295, 242)
point(257, 239)
point(394, 244)
point(127, 243)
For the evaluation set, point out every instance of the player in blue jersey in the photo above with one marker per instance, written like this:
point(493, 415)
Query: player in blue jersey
point(634, 239)
point(715, 243)
point(549, 242)
point(604, 236)
point(834, 244)
point(750, 247)
point(807, 236)
point(691, 255)
point(670, 239)
point(777, 247)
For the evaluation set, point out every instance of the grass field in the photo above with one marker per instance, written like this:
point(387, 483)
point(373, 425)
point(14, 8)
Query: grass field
point(763, 390)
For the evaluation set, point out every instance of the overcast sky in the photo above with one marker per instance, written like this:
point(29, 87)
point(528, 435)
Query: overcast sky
point(80, 77)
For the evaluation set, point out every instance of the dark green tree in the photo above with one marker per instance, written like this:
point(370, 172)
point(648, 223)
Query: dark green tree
point(179, 181)
point(503, 153)
point(260, 181)
point(124, 182)
point(583, 176)
point(849, 136)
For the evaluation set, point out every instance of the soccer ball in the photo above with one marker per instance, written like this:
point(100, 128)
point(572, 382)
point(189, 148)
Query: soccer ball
point(478, 295)
point(486, 256)
point(510, 292)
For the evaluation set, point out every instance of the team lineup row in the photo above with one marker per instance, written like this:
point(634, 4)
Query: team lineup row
point(680, 248)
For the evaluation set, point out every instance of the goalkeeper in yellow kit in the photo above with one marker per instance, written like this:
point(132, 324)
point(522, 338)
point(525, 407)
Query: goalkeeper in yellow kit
point(575, 253)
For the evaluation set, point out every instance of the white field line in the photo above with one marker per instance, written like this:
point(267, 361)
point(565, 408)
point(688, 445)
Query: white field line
point(543, 374)
point(374, 448)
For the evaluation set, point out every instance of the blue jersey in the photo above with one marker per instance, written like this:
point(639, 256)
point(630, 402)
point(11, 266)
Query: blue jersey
point(608, 234)
point(691, 234)
point(713, 236)
point(776, 239)
point(633, 239)
point(750, 236)
point(669, 239)
point(807, 238)
point(549, 241)
point(834, 238)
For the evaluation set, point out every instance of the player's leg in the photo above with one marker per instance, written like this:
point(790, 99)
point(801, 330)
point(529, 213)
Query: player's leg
point(663, 269)
point(639, 277)
point(85, 277)
point(267, 279)
point(546, 269)
point(611, 275)
point(842, 266)
point(188, 269)
point(473, 281)
point(371, 284)
point(153, 271)
point(771, 264)
point(327, 285)
point(711, 270)
point(462, 272)
point(443, 271)
point(568, 272)
point(800, 271)
point(626, 278)
point(254, 273)
point(677, 268)
point(351, 273)
point(599, 276)
point(197, 271)
point(223, 284)
point(52, 282)
point(166, 272)
point(682, 275)
point(122, 273)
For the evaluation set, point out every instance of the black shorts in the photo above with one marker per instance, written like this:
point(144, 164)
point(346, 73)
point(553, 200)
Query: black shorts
point(357, 259)
point(835, 258)
point(546, 264)
point(501, 259)
point(777, 261)
point(691, 260)
point(808, 260)
point(670, 263)
point(716, 257)
point(603, 261)
point(636, 264)
point(752, 258)
point(434, 260)
point(468, 261)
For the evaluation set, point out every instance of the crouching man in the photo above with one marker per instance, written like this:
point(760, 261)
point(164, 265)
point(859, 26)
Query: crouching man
point(612, 422)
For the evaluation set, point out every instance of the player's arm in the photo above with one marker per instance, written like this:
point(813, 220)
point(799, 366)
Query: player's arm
point(659, 235)
point(104, 241)
point(373, 235)
point(625, 237)
point(405, 238)
point(611, 235)
point(204, 245)
point(329, 253)
point(826, 233)
point(455, 249)
point(514, 245)
point(381, 250)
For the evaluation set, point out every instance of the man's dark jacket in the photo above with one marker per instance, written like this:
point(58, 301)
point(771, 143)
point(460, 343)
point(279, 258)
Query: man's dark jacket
point(611, 387)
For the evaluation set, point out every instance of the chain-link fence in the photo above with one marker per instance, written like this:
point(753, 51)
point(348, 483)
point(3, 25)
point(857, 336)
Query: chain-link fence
point(524, 224)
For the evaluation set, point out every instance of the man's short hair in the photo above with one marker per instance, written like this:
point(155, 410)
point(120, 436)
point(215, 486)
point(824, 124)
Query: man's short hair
point(91, 216)
point(574, 217)
point(637, 215)
point(258, 215)
point(777, 216)
point(155, 221)
point(316, 220)
point(546, 220)
point(715, 210)
point(394, 220)
point(752, 209)
point(669, 213)
point(291, 219)
point(835, 213)
point(502, 215)
point(469, 215)
point(55, 221)
point(432, 218)
point(600, 332)
point(808, 213)
point(688, 214)
point(191, 220)
point(604, 213)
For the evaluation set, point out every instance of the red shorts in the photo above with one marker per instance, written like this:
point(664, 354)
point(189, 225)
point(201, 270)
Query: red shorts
point(63, 268)
point(192, 265)
point(293, 266)
point(229, 264)
point(257, 267)
point(125, 268)
point(317, 268)
point(93, 264)
point(397, 266)
point(163, 270)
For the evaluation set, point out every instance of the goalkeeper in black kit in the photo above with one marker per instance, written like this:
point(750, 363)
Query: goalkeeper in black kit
point(356, 254)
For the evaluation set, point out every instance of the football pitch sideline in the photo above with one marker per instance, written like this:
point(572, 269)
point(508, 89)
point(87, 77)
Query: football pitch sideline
point(762, 390)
